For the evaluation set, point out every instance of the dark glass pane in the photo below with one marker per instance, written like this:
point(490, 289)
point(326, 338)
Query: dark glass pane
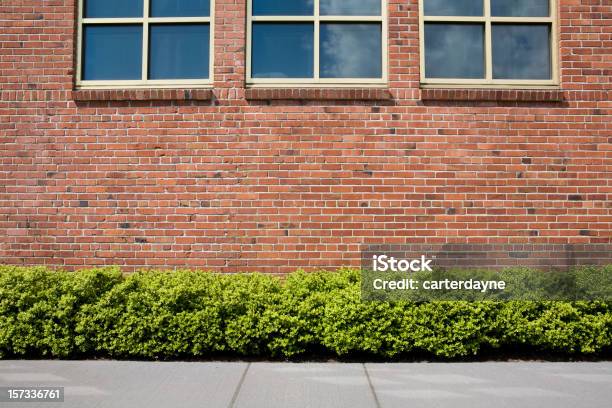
point(113, 8)
point(454, 50)
point(112, 52)
point(283, 7)
point(350, 7)
point(283, 50)
point(351, 50)
point(179, 51)
point(180, 8)
point(521, 51)
point(520, 8)
point(454, 7)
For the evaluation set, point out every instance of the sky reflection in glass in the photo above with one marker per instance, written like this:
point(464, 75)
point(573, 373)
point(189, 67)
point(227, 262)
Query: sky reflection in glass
point(351, 50)
point(282, 50)
point(283, 7)
point(454, 50)
point(454, 7)
point(350, 7)
point(113, 8)
point(179, 51)
point(180, 8)
point(112, 51)
point(521, 51)
point(520, 8)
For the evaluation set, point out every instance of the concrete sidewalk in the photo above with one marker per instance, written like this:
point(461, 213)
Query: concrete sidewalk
point(326, 385)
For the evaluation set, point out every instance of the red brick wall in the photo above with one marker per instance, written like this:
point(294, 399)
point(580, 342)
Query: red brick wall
point(294, 179)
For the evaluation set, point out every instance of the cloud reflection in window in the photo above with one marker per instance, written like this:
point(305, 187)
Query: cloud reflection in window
point(454, 50)
point(350, 50)
point(350, 7)
point(521, 51)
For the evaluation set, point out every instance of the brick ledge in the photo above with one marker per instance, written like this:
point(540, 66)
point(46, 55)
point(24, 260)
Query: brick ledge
point(142, 94)
point(502, 95)
point(363, 94)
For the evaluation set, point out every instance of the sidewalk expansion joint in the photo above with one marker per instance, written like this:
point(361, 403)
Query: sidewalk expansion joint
point(239, 386)
point(372, 389)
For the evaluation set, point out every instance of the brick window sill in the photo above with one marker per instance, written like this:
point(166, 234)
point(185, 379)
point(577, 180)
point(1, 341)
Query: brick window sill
point(142, 94)
point(358, 94)
point(493, 95)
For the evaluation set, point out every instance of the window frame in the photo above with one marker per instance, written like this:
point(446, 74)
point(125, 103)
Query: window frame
point(488, 21)
point(145, 21)
point(317, 19)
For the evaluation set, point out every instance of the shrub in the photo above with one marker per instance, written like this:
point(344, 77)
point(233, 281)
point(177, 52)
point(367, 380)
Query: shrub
point(155, 314)
point(39, 310)
point(166, 315)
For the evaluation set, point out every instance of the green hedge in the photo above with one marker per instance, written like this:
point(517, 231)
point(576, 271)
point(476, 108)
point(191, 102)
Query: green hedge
point(168, 315)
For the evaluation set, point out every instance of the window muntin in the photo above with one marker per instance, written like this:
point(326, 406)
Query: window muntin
point(316, 42)
point(488, 42)
point(144, 43)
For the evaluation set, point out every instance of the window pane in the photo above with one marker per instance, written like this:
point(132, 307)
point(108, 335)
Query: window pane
point(283, 7)
point(454, 50)
point(179, 51)
point(521, 51)
point(350, 7)
point(113, 8)
point(351, 50)
point(180, 8)
point(112, 52)
point(520, 8)
point(283, 50)
point(454, 7)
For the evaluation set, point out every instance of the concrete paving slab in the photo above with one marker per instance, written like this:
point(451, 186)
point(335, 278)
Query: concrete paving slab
point(115, 384)
point(279, 385)
point(476, 385)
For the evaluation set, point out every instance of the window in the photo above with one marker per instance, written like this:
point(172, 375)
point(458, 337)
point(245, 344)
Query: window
point(488, 42)
point(145, 43)
point(316, 42)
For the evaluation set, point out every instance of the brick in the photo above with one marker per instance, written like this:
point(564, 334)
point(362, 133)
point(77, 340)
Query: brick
point(350, 94)
point(492, 95)
point(103, 95)
point(234, 178)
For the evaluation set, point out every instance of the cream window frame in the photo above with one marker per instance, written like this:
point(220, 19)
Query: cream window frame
point(487, 20)
point(145, 21)
point(317, 19)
